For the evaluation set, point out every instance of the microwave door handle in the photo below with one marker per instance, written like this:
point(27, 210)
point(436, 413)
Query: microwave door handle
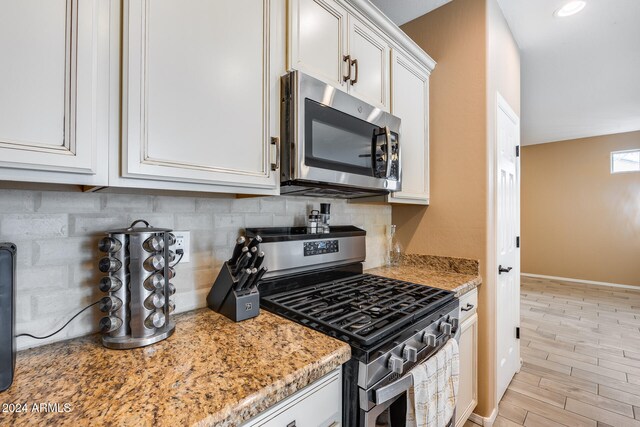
point(387, 134)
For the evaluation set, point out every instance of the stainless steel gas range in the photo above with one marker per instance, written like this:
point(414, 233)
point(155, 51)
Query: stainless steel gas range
point(391, 325)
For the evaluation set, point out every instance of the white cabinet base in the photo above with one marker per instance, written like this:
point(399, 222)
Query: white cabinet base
point(317, 405)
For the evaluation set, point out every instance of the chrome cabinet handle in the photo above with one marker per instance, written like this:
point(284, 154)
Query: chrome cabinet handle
point(355, 79)
point(275, 142)
point(469, 307)
point(347, 59)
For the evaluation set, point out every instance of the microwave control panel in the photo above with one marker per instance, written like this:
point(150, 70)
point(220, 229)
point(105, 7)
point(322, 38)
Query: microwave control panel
point(320, 247)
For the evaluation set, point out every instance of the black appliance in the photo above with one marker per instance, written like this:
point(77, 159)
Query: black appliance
point(7, 314)
point(391, 325)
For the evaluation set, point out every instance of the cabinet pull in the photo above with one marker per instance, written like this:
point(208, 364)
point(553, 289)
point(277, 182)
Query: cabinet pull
point(469, 307)
point(275, 143)
point(355, 79)
point(292, 424)
point(347, 59)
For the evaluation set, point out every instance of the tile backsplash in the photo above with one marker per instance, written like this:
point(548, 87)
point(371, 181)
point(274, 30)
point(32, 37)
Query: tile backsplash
point(57, 235)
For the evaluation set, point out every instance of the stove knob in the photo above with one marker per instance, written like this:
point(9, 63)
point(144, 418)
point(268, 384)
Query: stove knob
point(429, 339)
point(455, 323)
point(410, 353)
point(445, 328)
point(395, 364)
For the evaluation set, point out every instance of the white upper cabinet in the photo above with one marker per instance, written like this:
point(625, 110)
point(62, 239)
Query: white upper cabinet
point(337, 46)
point(410, 102)
point(369, 53)
point(201, 91)
point(54, 91)
point(318, 39)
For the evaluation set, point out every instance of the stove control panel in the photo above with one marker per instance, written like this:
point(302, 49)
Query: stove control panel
point(320, 247)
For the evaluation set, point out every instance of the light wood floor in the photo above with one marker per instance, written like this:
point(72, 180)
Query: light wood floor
point(580, 346)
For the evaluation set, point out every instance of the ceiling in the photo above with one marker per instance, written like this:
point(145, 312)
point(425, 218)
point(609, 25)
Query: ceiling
point(403, 11)
point(580, 74)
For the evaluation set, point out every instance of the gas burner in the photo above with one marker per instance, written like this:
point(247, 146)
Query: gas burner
point(362, 308)
point(359, 322)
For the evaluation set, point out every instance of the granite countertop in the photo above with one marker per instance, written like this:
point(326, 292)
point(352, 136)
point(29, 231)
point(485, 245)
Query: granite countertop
point(454, 274)
point(212, 371)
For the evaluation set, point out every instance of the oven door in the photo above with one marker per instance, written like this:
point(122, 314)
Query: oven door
point(387, 405)
point(338, 139)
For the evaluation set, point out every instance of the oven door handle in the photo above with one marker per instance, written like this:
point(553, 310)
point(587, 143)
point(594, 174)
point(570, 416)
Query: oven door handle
point(396, 388)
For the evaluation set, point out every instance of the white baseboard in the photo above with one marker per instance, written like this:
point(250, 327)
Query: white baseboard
point(485, 421)
point(586, 282)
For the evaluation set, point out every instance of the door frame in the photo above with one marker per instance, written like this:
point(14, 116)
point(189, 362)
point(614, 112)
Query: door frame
point(492, 233)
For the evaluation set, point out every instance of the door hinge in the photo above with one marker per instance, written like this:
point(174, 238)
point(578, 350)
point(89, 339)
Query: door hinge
point(517, 151)
point(518, 332)
point(518, 242)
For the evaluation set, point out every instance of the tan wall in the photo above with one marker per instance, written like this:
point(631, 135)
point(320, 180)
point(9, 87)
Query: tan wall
point(476, 56)
point(579, 220)
point(455, 224)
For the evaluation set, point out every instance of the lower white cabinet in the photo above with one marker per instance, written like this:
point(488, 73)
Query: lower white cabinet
point(468, 388)
point(317, 405)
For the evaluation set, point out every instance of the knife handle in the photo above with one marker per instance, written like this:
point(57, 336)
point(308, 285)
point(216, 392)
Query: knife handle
point(237, 250)
point(244, 261)
point(258, 261)
point(242, 278)
point(255, 242)
point(257, 277)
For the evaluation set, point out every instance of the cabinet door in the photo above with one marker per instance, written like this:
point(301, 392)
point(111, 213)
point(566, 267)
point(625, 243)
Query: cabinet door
point(317, 40)
point(370, 71)
point(54, 91)
point(317, 405)
point(200, 99)
point(410, 102)
point(468, 387)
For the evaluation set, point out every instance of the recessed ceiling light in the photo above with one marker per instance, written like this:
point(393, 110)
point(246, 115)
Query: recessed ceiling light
point(570, 8)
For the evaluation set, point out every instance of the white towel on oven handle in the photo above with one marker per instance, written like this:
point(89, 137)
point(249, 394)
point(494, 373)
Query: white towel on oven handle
point(432, 399)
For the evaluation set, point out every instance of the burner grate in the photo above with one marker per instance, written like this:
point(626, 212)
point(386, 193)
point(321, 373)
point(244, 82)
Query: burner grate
point(364, 308)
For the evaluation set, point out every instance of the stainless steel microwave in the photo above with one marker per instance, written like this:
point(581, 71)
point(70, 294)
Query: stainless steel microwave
point(334, 144)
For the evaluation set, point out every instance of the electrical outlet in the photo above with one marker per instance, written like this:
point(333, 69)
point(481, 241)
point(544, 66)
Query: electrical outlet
point(183, 241)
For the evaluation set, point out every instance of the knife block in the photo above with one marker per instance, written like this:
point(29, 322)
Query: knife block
point(235, 305)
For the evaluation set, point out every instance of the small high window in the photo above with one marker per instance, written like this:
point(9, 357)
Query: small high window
point(625, 161)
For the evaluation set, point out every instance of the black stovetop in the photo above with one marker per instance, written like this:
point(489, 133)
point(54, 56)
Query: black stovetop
point(362, 309)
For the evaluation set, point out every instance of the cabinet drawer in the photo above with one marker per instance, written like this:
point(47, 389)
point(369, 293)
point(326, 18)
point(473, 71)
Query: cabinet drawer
point(468, 304)
point(318, 405)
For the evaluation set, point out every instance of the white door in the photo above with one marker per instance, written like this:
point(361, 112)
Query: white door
point(508, 254)
point(54, 90)
point(410, 102)
point(370, 64)
point(318, 40)
point(201, 96)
